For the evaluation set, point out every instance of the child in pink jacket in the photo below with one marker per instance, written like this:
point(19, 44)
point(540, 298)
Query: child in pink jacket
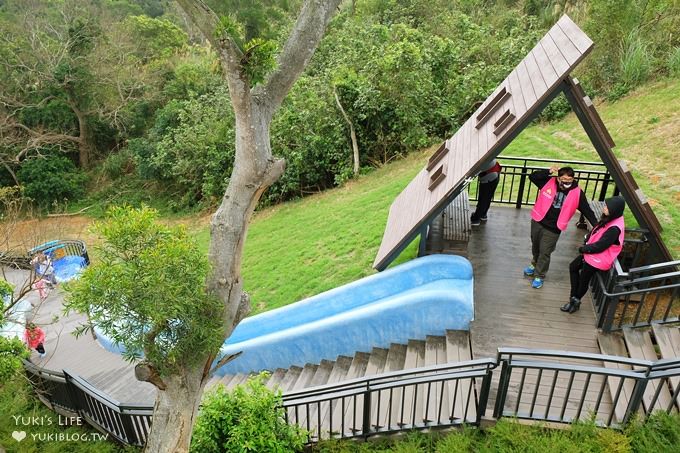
point(34, 337)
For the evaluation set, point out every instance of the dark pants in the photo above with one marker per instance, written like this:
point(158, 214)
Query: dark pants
point(580, 274)
point(543, 243)
point(486, 192)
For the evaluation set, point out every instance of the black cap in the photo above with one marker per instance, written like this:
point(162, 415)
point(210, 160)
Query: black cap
point(615, 205)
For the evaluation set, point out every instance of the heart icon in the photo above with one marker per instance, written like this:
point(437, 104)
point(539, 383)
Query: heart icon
point(19, 435)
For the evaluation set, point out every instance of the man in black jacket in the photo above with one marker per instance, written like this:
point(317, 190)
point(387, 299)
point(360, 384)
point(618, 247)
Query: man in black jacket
point(558, 199)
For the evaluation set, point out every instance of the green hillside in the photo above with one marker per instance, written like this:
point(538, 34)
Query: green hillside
point(301, 248)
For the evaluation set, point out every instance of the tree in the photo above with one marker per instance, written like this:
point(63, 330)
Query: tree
point(258, 82)
point(67, 69)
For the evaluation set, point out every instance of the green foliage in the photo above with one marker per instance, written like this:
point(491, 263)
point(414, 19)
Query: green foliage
point(157, 38)
point(247, 419)
point(146, 291)
point(12, 350)
point(659, 433)
point(191, 146)
point(635, 64)
point(51, 179)
point(673, 62)
point(22, 411)
point(259, 55)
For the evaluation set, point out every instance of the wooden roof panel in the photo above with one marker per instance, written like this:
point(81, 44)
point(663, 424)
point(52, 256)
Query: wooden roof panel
point(484, 134)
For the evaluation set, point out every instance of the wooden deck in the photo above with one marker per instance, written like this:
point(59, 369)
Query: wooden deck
point(508, 312)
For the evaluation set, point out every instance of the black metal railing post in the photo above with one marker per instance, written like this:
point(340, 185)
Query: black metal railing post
point(522, 183)
point(502, 388)
point(636, 397)
point(366, 422)
point(484, 395)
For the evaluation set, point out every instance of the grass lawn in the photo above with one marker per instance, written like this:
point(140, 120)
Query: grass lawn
point(301, 248)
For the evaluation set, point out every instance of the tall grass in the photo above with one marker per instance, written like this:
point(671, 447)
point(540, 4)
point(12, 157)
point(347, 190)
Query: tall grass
point(673, 62)
point(635, 61)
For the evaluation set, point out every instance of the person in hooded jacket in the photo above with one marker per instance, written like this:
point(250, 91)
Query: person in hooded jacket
point(556, 203)
point(603, 244)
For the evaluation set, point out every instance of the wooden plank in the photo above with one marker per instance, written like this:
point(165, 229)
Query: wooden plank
point(535, 75)
point(568, 50)
point(553, 52)
point(612, 344)
point(580, 40)
point(527, 88)
point(668, 339)
point(639, 345)
point(548, 72)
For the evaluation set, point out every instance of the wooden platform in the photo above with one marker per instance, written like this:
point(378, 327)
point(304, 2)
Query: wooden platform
point(508, 312)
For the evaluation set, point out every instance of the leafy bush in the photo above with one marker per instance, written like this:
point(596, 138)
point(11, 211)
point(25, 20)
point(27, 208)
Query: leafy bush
point(118, 164)
point(12, 350)
point(659, 433)
point(51, 179)
point(249, 418)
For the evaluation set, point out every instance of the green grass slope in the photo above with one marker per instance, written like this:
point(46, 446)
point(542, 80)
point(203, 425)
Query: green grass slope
point(302, 248)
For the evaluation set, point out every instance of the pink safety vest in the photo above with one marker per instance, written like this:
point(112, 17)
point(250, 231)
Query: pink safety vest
point(604, 260)
point(545, 199)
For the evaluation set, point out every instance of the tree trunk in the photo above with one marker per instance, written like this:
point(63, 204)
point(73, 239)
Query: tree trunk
point(175, 412)
point(352, 133)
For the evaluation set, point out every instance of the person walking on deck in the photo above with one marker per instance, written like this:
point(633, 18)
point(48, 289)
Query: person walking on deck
point(558, 199)
point(603, 244)
point(488, 181)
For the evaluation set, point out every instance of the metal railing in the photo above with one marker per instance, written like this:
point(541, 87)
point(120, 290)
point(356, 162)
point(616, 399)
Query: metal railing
point(540, 385)
point(71, 395)
point(59, 248)
point(561, 386)
point(637, 297)
point(515, 188)
point(435, 396)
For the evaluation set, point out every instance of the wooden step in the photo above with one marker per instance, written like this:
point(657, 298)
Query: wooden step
point(613, 344)
point(275, 379)
point(356, 370)
point(376, 364)
point(380, 404)
point(639, 344)
point(415, 358)
point(291, 377)
point(338, 374)
point(435, 395)
point(462, 395)
point(668, 339)
point(320, 377)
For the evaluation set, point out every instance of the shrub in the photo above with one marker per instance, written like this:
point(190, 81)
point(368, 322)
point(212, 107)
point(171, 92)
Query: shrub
point(659, 433)
point(51, 179)
point(673, 62)
point(249, 418)
point(118, 164)
point(12, 350)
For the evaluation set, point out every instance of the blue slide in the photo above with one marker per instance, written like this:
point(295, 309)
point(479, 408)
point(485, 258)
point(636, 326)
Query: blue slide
point(422, 297)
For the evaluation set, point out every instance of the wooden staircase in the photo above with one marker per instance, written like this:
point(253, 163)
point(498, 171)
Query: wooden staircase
point(659, 342)
point(411, 400)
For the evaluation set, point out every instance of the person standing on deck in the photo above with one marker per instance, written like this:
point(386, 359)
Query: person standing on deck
point(558, 199)
point(488, 181)
point(603, 244)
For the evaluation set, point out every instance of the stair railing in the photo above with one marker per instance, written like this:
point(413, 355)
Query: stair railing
point(561, 386)
point(435, 396)
point(637, 297)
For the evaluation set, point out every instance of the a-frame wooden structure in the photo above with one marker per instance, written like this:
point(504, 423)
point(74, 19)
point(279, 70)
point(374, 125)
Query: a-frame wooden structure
point(541, 76)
